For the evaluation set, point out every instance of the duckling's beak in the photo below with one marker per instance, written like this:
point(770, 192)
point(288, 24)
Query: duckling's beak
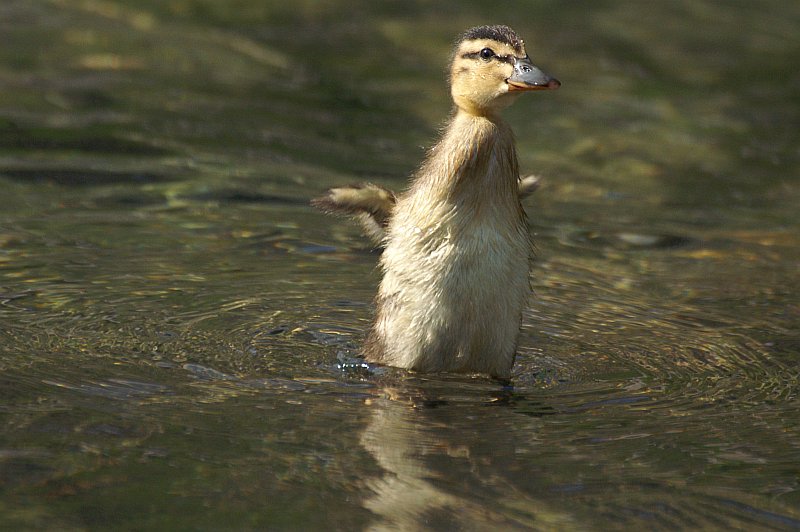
point(527, 77)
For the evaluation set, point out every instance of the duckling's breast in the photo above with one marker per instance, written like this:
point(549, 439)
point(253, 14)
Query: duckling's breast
point(455, 280)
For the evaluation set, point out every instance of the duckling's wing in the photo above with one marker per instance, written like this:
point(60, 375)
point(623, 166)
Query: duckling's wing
point(371, 205)
point(528, 185)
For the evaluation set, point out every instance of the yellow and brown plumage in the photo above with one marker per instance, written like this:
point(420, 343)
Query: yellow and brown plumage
point(457, 249)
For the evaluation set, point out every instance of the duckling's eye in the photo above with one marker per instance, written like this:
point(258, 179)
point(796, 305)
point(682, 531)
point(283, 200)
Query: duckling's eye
point(487, 53)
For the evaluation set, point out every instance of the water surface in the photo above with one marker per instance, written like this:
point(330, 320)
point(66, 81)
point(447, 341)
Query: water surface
point(179, 330)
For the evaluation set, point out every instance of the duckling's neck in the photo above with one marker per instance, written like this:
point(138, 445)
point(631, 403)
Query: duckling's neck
point(474, 159)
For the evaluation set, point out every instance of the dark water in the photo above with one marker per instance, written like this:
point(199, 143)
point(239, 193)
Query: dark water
point(179, 329)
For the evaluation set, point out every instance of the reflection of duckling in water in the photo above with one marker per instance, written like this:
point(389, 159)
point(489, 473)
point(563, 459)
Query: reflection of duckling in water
point(457, 250)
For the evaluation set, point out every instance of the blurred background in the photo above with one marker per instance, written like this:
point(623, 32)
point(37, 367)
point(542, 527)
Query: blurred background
point(179, 330)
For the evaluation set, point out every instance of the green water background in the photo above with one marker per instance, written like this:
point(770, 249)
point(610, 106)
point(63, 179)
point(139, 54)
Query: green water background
point(173, 314)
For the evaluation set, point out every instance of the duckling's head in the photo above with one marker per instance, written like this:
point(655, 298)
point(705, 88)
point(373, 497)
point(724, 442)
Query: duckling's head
point(490, 68)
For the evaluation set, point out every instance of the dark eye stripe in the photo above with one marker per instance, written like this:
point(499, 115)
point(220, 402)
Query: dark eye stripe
point(510, 59)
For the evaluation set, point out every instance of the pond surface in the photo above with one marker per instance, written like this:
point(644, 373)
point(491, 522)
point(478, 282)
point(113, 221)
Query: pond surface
point(179, 330)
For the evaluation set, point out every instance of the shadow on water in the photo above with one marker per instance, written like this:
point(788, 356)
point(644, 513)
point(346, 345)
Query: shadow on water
point(69, 177)
point(13, 137)
point(175, 317)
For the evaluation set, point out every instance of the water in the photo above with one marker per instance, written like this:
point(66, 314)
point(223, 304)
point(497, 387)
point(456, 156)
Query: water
point(180, 330)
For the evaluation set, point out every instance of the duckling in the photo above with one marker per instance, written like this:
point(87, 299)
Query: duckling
point(457, 250)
